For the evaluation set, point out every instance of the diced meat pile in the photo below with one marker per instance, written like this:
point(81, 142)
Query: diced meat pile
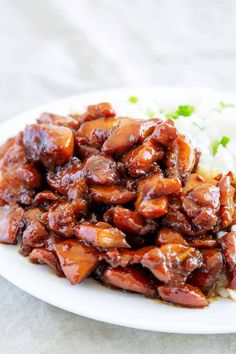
point(120, 200)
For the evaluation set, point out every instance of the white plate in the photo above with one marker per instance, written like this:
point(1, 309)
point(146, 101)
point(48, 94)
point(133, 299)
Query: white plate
point(91, 299)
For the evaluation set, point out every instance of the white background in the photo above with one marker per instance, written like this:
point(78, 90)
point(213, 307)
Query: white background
point(53, 48)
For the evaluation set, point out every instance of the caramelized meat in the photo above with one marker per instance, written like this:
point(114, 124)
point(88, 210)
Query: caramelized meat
point(10, 223)
point(129, 279)
point(152, 201)
point(77, 260)
point(140, 160)
point(44, 198)
point(95, 111)
point(18, 179)
point(165, 133)
point(69, 180)
point(167, 235)
point(121, 200)
point(180, 158)
point(202, 242)
point(93, 131)
point(201, 204)
point(35, 232)
point(52, 145)
point(113, 194)
point(6, 146)
point(60, 219)
point(41, 256)
point(210, 272)
point(130, 222)
point(124, 257)
point(172, 263)
point(185, 295)
point(101, 169)
point(54, 119)
point(101, 235)
point(228, 243)
point(126, 135)
point(227, 207)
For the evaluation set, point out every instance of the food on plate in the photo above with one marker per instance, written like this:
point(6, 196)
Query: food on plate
point(121, 200)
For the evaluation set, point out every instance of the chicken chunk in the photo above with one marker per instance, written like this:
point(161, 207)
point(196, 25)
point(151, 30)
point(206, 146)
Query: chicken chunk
point(101, 169)
point(54, 119)
point(101, 235)
point(126, 135)
point(10, 223)
point(52, 145)
point(42, 256)
point(185, 295)
point(172, 263)
point(77, 260)
point(129, 279)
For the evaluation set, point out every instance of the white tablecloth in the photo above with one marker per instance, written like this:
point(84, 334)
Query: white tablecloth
point(53, 48)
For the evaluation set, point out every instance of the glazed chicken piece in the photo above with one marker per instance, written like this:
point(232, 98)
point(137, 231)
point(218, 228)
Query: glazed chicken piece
point(166, 235)
point(35, 232)
point(77, 260)
point(176, 219)
point(129, 279)
point(54, 119)
point(130, 222)
point(101, 169)
point(101, 235)
point(185, 295)
point(228, 244)
point(180, 158)
point(114, 194)
point(45, 198)
point(97, 131)
point(210, 272)
point(18, 179)
point(6, 146)
point(95, 111)
point(41, 256)
point(165, 133)
point(50, 144)
point(201, 204)
point(201, 242)
point(141, 160)
point(124, 257)
point(152, 201)
point(66, 176)
point(11, 217)
point(127, 134)
point(172, 263)
point(69, 180)
point(227, 207)
point(60, 219)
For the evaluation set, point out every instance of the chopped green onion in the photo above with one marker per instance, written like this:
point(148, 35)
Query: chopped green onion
point(224, 105)
point(133, 99)
point(150, 113)
point(224, 141)
point(173, 115)
point(215, 145)
point(183, 110)
point(198, 126)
